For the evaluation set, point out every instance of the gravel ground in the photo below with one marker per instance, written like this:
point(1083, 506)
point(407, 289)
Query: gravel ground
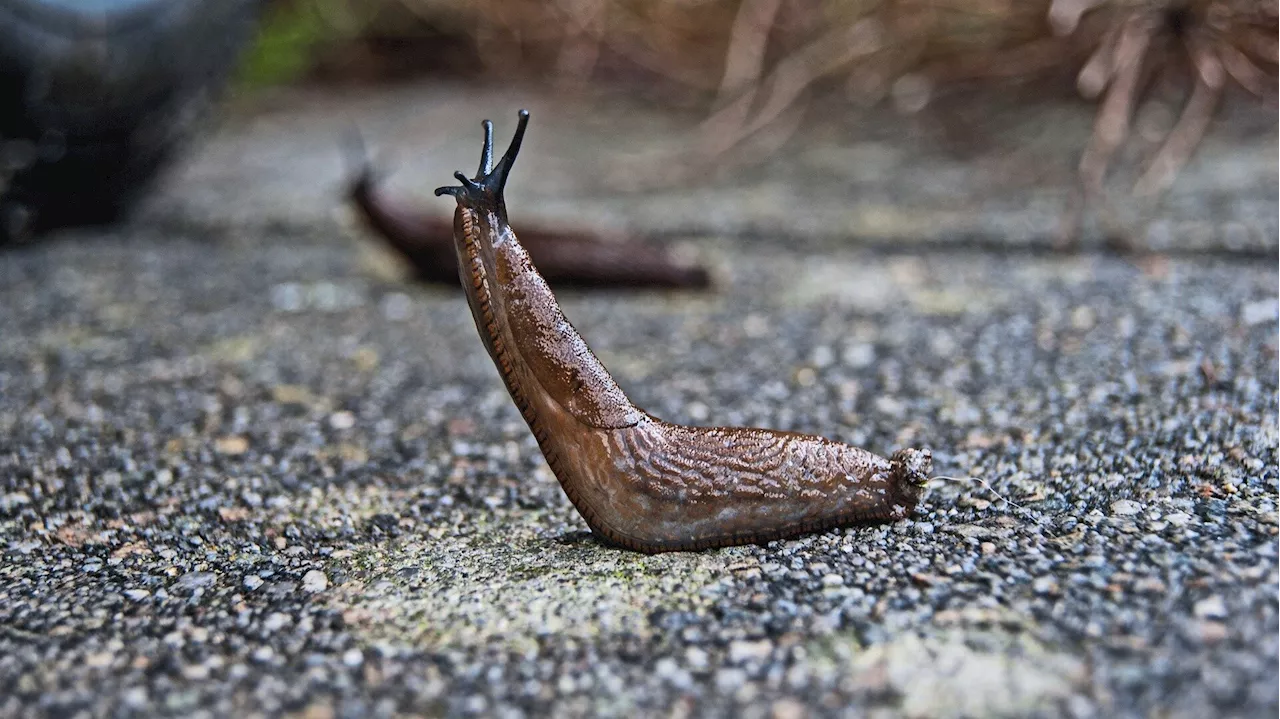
point(246, 469)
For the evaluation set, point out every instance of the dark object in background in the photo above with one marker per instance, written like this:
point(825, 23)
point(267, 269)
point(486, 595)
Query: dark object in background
point(96, 95)
point(573, 258)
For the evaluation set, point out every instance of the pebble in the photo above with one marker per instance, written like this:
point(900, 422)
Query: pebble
point(275, 621)
point(728, 680)
point(195, 581)
point(353, 658)
point(1125, 508)
point(972, 531)
point(1211, 632)
point(696, 658)
point(1045, 585)
point(1211, 607)
point(741, 651)
point(788, 709)
point(315, 581)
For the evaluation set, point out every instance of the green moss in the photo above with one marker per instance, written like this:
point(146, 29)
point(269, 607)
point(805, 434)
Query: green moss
point(510, 584)
point(289, 38)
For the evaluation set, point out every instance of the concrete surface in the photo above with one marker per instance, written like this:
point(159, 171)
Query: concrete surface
point(247, 469)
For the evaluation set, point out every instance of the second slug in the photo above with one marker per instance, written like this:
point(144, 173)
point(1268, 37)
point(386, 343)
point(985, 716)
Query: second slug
point(639, 482)
point(567, 257)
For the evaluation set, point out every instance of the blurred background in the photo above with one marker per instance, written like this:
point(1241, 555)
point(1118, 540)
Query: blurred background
point(756, 67)
point(1124, 90)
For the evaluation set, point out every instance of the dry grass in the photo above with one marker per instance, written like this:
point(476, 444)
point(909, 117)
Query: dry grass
point(755, 65)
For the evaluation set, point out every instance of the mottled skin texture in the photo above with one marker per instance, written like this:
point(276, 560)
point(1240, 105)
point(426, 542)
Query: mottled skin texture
point(639, 482)
point(565, 258)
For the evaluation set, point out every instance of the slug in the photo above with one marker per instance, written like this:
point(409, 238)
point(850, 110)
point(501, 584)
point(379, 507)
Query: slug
point(639, 482)
point(567, 258)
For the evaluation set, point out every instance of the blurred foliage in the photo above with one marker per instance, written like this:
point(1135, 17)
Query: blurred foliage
point(755, 65)
point(682, 43)
point(290, 38)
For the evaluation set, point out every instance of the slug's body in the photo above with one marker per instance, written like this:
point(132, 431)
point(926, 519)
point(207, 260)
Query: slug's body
point(639, 482)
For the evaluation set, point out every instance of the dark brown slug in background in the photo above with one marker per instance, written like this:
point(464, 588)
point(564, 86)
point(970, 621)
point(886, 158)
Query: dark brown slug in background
point(566, 258)
point(639, 482)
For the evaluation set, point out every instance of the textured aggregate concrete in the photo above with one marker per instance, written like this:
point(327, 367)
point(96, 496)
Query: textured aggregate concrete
point(247, 469)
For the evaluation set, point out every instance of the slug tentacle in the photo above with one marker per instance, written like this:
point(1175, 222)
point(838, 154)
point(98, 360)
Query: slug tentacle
point(640, 482)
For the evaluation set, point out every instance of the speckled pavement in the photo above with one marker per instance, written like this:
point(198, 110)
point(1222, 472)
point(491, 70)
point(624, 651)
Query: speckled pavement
point(246, 469)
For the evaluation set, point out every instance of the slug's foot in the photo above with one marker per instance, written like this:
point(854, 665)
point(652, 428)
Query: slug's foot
point(485, 191)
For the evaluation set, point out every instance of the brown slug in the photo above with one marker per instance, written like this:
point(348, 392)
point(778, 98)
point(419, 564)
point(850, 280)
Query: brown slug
point(639, 482)
point(567, 258)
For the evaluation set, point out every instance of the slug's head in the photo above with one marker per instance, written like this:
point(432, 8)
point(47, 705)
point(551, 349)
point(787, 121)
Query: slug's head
point(910, 470)
point(485, 191)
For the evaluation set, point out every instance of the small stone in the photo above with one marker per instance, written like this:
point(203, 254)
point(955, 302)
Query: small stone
point(26, 547)
point(13, 500)
point(787, 709)
point(1255, 313)
point(315, 581)
point(252, 582)
point(698, 411)
point(754, 651)
point(1211, 632)
point(342, 420)
point(353, 658)
point(134, 697)
point(231, 446)
point(195, 581)
point(833, 580)
point(859, 356)
point(669, 671)
point(137, 595)
point(1211, 608)
point(696, 658)
point(275, 621)
point(397, 306)
point(1045, 585)
point(1178, 519)
point(728, 680)
point(1125, 508)
point(1083, 318)
point(1149, 585)
point(665, 668)
point(319, 710)
point(987, 548)
point(971, 531)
